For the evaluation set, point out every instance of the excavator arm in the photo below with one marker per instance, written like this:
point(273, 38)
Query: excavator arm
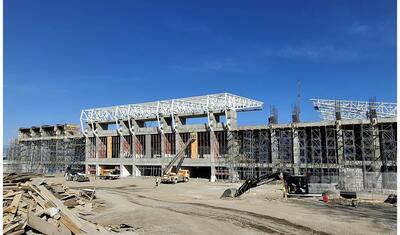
point(255, 182)
point(180, 156)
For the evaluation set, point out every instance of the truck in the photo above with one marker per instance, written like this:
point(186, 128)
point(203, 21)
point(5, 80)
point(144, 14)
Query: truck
point(111, 174)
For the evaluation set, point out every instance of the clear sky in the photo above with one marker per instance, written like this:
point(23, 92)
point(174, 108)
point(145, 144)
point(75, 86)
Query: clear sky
point(63, 56)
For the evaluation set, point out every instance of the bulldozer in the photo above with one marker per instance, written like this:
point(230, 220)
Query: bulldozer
point(177, 175)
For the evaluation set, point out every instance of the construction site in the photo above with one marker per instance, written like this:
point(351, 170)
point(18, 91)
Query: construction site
point(352, 151)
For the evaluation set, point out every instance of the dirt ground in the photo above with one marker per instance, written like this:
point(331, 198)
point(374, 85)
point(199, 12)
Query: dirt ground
point(195, 208)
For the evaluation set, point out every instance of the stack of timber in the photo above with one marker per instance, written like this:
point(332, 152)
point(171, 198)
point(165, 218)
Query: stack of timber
point(31, 206)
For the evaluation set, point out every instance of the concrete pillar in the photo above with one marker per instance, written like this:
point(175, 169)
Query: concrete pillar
point(179, 122)
point(214, 119)
point(296, 151)
point(135, 171)
point(377, 144)
point(233, 152)
point(340, 154)
point(231, 116)
point(178, 143)
point(148, 146)
point(214, 153)
point(133, 146)
point(274, 149)
point(97, 169)
point(380, 183)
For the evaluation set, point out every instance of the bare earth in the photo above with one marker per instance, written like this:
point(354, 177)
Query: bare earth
point(195, 208)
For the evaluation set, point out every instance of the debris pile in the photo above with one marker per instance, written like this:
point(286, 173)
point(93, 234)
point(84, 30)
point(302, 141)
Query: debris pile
point(33, 206)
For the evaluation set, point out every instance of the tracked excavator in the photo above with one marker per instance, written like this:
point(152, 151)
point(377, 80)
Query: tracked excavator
point(178, 174)
point(293, 184)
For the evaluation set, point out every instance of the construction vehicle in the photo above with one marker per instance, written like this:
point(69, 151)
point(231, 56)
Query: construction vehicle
point(75, 174)
point(111, 174)
point(178, 175)
point(293, 185)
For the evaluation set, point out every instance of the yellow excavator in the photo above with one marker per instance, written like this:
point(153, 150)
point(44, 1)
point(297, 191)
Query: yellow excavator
point(178, 174)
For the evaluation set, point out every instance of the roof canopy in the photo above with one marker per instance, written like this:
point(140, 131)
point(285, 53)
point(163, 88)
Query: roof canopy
point(197, 105)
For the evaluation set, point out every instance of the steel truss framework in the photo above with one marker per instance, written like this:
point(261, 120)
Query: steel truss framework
point(353, 109)
point(169, 108)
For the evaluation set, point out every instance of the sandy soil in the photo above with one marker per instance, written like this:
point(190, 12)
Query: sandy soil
point(195, 208)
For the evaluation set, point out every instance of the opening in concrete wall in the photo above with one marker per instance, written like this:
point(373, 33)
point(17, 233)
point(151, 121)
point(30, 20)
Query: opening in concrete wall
point(199, 172)
point(149, 170)
point(112, 126)
point(196, 120)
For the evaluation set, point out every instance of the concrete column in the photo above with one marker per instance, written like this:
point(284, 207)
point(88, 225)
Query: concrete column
point(380, 183)
point(133, 131)
point(178, 143)
point(340, 154)
point(296, 151)
point(214, 152)
point(87, 149)
point(179, 122)
point(232, 119)
point(377, 144)
point(274, 149)
point(135, 171)
point(122, 151)
point(133, 147)
point(123, 143)
point(233, 152)
point(164, 125)
point(214, 119)
point(148, 146)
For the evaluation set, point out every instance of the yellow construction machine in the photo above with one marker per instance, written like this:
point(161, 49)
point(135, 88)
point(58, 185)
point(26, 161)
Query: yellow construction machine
point(178, 174)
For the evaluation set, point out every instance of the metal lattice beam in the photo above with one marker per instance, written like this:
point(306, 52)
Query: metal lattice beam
point(185, 106)
point(353, 109)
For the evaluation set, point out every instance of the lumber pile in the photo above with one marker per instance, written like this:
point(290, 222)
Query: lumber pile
point(32, 206)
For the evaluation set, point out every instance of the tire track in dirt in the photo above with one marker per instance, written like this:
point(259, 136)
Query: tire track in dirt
point(279, 226)
point(239, 221)
point(270, 218)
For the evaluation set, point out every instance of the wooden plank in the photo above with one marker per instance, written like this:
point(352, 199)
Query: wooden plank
point(41, 225)
point(71, 225)
point(11, 194)
point(39, 200)
point(109, 146)
point(72, 202)
point(10, 228)
point(68, 218)
point(18, 232)
point(11, 188)
point(68, 197)
point(14, 204)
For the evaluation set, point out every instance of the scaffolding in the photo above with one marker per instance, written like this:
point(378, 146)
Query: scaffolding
point(45, 156)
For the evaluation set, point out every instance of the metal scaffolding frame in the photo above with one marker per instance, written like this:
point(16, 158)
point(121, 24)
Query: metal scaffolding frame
point(46, 156)
point(353, 109)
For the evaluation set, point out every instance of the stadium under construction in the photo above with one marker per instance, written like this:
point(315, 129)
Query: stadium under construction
point(353, 147)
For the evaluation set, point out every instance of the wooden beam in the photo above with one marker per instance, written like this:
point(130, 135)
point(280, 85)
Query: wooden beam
point(41, 225)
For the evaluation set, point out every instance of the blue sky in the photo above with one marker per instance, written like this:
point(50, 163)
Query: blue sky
point(63, 56)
